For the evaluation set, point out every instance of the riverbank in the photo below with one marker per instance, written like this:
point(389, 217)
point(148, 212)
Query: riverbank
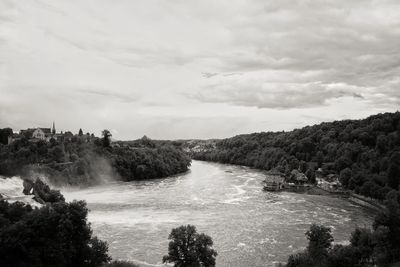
point(308, 189)
point(365, 202)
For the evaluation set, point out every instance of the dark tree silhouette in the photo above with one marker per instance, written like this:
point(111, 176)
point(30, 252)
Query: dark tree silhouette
point(394, 171)
point(106, 138)
point(57, 234)
point(187, 248)
point(319, 241)
point(4, 134)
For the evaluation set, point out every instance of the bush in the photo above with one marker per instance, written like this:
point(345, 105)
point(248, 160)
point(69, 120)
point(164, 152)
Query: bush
point(54, 235)
point(188, 248)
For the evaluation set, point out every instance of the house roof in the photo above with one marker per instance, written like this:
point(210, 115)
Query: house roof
point(299, 176)
point(46, 130)
point(31, 130)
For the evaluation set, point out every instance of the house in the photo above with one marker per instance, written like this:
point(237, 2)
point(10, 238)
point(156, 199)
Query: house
point(298, 177)
point(42, 134)
point(330, 186)
point(47, 134)
point(35, 134)
point(276, 184)
point(272, 186)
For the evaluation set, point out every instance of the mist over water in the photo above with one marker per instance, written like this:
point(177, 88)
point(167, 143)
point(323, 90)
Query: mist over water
point(249, 227)
point(11, 189)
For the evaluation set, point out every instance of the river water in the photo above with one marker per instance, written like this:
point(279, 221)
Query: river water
point(249, 227)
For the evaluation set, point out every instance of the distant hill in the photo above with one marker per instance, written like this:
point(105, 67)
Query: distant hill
point(365, 153)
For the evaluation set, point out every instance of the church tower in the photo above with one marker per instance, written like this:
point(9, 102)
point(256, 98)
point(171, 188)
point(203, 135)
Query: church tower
point(53, 131)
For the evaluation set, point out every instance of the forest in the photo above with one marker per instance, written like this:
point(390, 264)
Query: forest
point(78, 161)
point(364, 153)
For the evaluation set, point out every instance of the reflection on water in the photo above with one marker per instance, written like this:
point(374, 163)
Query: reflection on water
point(249, 227)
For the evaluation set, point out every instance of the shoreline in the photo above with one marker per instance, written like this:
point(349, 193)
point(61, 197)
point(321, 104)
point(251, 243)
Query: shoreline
point(351, 196)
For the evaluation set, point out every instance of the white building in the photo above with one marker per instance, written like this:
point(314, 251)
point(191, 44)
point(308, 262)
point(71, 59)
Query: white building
point(39, 134)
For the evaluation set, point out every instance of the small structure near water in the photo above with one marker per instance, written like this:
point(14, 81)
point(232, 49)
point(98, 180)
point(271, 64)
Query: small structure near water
point(274, 181)
point(273, 186)
point(295, 182)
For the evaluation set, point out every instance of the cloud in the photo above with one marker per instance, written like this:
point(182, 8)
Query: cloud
point(297, 53)
point(208, 74)
point(264, 94)
point(260, 60)
point(111, 95)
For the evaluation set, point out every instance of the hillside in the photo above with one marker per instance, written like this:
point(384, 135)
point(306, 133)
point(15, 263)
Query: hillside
point(77, 162)
point(365, 153)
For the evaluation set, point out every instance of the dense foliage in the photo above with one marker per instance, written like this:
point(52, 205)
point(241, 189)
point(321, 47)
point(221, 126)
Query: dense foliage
point(187, 248)
point(379, 247)
point(4, 134)
point(54, 235)
point(83, 160)
point(139, 163)
point(365, 153)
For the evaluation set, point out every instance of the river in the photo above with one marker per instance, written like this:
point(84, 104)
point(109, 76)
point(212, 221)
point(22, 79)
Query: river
point(249, 227)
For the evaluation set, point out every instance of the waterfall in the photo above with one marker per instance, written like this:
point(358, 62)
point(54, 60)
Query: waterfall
point(11, 190)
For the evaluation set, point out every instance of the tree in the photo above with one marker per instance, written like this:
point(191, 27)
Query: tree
point(387, 230)
point(382, 143)
point(302, 166)
point(341, 256)
point(80, 132)
point(299, 260)
point(394, 171)
point(362, 240)
point(320, 158)
point(345, 176)
point(106, 138)
point(187, 248)
point(56, 234)
point(4, 134)
point(317, 252)
point(310, 173)
point(320, 240)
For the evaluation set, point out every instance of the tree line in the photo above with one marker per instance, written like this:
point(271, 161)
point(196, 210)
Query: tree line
point(77, 161)
point(364, 153)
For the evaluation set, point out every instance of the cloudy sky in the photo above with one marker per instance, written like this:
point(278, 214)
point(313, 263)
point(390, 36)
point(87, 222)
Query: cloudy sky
point(196, 69)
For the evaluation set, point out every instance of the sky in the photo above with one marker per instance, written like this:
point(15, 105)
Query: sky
point(180, 69)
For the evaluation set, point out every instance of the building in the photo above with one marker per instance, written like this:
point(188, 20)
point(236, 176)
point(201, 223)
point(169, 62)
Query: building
point(298, 177)
point(42, 134)
point(36, 134)
point(47, 134)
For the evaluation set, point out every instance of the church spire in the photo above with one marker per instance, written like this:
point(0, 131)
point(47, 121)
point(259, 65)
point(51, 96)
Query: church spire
point(54, 128)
